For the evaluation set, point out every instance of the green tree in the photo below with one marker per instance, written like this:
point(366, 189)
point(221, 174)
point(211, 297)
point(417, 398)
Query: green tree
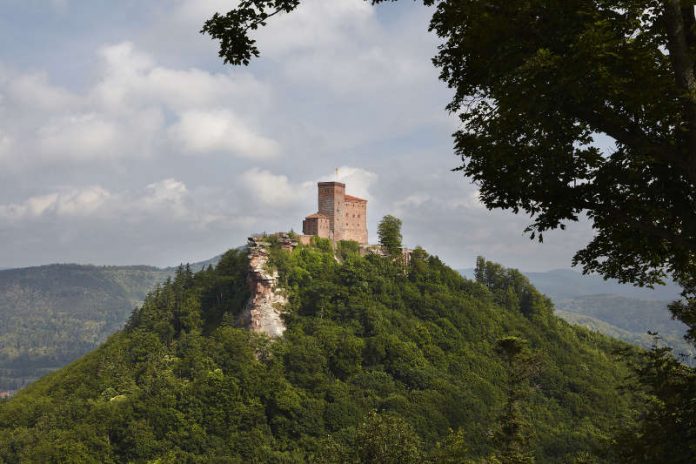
point(387, 439)
point(665, 432)
point(512, 436)
point(389, 232)
point(452, 450)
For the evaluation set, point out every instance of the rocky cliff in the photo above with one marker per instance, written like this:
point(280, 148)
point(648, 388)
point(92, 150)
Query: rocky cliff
point(263, 312)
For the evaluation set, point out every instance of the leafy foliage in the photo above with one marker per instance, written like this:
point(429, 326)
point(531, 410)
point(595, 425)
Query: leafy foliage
point(52, 315)
point(389, 233)
point(416, 345)
point(666, 431)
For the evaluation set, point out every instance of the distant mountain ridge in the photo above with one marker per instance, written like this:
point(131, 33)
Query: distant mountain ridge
point(567, 283)
point(51, 315)
point(617, 310)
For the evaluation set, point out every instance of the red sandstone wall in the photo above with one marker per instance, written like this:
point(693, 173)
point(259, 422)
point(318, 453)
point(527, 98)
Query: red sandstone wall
point(332, 204)
point(346, 216)
point(316, 226)
point(324, 228)
point(309, 226)
point(355, 221)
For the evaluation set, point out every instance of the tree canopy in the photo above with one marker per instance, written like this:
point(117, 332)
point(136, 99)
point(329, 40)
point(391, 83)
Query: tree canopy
point(389, 232)
point(382, 362)
point(535, 83)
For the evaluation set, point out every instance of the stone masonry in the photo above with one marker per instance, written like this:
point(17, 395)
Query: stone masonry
point(340, 216)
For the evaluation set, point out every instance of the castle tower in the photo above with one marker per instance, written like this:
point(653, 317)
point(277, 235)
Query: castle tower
point(340, 216)
point(332, 197)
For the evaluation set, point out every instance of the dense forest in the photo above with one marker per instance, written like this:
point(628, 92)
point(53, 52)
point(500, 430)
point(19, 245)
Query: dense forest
point(628, 319)
point(382, 361)
point(624, 312)
point(52, 315)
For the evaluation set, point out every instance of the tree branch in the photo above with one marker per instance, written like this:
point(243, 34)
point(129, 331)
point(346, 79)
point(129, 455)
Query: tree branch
point(650, 229)
point(630, 134)
point(679, 22)
point(676, 21)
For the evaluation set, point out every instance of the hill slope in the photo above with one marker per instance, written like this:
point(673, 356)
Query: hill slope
point(633, 318)
point(613, 309)
point(182, 384)
point(51, 315)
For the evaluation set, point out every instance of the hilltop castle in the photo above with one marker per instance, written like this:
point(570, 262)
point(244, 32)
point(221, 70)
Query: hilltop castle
point(340, 216)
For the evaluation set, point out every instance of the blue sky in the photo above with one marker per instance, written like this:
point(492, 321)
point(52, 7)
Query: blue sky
point(124, 139)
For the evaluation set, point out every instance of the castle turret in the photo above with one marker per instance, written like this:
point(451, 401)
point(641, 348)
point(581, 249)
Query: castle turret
point(332, 205)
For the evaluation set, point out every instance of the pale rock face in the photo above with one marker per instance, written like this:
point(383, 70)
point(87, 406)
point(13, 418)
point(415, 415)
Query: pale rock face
point(265, 306)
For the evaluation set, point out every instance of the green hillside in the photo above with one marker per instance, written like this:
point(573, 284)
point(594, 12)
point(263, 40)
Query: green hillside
point(52, 315)
point(415, 343)
point(617, 310)
point(628, 319)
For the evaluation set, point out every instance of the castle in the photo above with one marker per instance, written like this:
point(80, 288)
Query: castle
point(340, 216)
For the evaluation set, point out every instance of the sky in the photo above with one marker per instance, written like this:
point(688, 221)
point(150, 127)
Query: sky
point(125, 140)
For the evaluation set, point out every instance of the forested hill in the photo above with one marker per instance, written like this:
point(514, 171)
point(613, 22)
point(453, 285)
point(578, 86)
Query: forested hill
point(51, 315)
point(381, 362)
point(617, 310)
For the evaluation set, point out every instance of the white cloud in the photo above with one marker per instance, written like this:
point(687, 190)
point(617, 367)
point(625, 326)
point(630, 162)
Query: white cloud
point(467, 201)
point(169, 195)
point(59, 4)
point(412, 201)
point(220, 131)
point(132, 78)
point(358, 181)
point(277, 191)
point(166, 198)
point(82, 202)
point(194, 12)
point(6, 146)
point(129, 111)
point(79, 136)
point(35, 92)
point(272, 190)
point(71, 202)
point(318, 25)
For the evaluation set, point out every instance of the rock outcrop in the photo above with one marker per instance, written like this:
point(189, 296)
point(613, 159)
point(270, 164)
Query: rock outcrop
point(263, 312)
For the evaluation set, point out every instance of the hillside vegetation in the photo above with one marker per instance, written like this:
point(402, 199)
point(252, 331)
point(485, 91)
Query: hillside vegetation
point(52, 315)
point(617, 310)
point(628, 319)
point(377, 358)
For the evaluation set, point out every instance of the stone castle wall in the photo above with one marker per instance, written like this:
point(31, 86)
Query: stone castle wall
point(347, 215)
point(332, 204)
point(317, 224)
point(355, 224)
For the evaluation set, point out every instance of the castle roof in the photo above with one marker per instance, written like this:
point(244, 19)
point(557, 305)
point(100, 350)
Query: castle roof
point(355, 199)
point(317, 216)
